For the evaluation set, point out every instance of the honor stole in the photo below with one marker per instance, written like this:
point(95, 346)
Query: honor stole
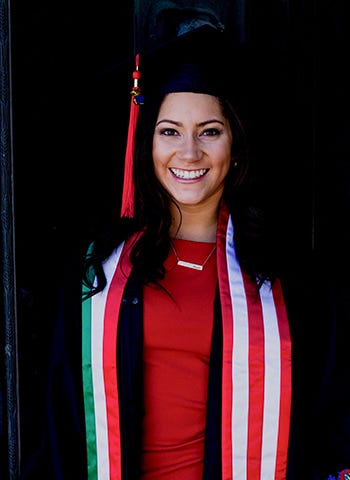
point(256, 372)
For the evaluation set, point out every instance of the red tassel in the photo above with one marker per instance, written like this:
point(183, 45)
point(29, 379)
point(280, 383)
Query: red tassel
point(127, 209)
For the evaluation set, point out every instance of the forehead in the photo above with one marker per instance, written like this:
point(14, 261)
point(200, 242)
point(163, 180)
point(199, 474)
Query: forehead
point(188, 103)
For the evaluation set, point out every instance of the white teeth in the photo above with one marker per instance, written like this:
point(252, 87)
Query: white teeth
point(189, 174)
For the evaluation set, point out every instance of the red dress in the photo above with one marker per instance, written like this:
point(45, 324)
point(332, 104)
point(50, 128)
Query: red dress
point(177, 340)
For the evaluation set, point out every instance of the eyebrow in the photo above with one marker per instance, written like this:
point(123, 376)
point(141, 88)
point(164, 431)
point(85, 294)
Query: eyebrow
point(201, 124)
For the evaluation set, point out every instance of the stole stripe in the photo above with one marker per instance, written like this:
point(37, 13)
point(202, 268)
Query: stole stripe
point(114, 299)
point(286, 384)
point(272, 384)
point(98, 308)
point(240, 356)
point(111, 387)
point(256, 369)
point(88, 391)
point(226, 307)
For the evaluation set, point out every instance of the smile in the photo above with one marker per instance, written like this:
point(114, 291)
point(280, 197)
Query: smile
point(188, 174)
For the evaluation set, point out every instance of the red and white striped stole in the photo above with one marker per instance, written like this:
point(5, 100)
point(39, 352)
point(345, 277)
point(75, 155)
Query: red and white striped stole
point(256, 382)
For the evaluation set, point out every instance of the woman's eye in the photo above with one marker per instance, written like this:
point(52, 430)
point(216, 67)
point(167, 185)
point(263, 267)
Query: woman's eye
point(168, 131)
point(210, 132)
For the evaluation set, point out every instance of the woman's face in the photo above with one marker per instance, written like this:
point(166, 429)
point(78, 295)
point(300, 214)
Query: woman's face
point(192, 148)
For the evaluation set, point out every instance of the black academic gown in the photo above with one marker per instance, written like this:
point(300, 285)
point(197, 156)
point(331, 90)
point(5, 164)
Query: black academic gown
point(319, 447)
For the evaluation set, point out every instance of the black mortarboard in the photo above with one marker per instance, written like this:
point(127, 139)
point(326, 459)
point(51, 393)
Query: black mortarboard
point(193, 63)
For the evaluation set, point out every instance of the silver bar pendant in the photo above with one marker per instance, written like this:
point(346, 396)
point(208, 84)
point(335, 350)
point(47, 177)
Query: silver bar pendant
point(194, 266)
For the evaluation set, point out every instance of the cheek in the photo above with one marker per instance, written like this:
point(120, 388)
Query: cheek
point(160, 156)
point(158, 166)
point(225, 160)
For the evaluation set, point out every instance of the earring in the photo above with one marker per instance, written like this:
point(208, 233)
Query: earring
point(235, 164)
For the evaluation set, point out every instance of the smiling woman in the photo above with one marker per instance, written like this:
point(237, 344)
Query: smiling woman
point(196, 253)
point(192, 339)
point(192, 153)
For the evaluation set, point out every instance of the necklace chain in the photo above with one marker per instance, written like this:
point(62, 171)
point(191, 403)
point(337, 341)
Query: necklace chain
point(194, 266)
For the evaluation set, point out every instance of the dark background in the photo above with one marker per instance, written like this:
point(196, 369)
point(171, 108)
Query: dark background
point(72, 65)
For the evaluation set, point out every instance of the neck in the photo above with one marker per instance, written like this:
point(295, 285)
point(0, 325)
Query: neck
point(193, 223)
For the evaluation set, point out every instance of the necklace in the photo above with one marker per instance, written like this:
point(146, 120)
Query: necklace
point(194, 266)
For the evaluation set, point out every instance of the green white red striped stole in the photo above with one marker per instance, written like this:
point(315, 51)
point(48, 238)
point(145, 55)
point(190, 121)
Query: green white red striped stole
point(99, 351)
point(256, 377)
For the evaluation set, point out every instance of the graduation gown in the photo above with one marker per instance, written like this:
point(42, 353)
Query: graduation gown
point(318, 441)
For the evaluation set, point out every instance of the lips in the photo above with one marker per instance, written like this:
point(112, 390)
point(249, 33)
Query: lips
point(188, 174)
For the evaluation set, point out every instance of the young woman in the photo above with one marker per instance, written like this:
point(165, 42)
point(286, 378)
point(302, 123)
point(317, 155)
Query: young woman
point(194, 305)
point(187, 333)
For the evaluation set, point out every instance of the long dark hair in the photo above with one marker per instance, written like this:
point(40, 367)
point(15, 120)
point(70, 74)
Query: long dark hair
point(152, 212)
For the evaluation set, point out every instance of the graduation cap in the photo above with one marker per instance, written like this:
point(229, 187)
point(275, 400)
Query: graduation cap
point(196, 61)
point(210, 38)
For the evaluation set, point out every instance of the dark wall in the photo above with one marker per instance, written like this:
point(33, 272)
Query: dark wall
point(68, 149)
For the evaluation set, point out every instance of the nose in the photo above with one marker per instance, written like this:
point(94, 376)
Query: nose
point(189, 150)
